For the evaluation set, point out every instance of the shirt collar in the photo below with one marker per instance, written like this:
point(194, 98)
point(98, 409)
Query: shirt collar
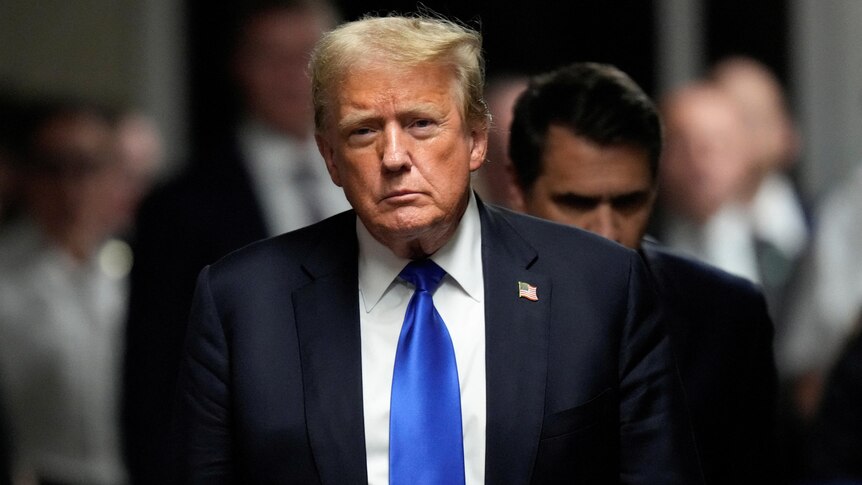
point(379, 267)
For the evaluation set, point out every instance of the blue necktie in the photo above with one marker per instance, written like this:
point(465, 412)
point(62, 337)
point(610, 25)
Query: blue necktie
point(425, 441)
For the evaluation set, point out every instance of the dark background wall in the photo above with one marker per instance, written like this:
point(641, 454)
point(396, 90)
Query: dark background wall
point(528, 37)
point(756, 28)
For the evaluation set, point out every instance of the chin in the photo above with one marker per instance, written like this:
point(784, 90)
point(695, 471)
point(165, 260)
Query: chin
point(408, 224)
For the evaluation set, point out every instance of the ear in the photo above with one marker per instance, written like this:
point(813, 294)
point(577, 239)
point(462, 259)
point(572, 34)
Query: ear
point(517, 196)
point(328, 153)
point(478, 147)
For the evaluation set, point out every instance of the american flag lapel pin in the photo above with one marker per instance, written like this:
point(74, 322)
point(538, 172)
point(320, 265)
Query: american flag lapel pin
point(528, 291)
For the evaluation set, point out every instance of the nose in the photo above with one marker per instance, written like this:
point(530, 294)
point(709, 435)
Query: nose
point(395, 156)
point(604, 222)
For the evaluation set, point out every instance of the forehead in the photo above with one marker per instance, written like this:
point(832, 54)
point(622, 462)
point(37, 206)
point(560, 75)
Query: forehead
point(703, 111)
point(372, 88)
point(574, 163)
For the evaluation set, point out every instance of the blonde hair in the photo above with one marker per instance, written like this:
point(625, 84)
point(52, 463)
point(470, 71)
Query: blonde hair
point(404, 42)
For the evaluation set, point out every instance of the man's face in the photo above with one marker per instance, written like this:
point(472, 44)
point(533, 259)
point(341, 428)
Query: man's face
point(607, 190)
point(271, 68)
point(396, 142)
point(767, 123)
point(706, 161)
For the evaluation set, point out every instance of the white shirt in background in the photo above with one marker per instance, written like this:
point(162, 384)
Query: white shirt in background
point(60, 352)
point(273, 161)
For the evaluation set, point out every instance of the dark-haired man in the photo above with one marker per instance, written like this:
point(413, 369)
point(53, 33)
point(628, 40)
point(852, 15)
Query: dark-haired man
point(585, 145)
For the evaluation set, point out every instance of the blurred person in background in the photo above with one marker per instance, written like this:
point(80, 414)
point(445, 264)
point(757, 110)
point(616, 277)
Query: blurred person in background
point(822, 313)
point(492, 182)
point(779, 225)
point(267, 178)
point(63, 293)
point(585, 147)
point(705, 164)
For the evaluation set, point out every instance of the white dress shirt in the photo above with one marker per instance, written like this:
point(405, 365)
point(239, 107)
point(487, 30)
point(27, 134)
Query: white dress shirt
point(824, 311)
point(273, 161)
point(383, 299)
point(726, 240)
point(777, 216)
point(60, 348)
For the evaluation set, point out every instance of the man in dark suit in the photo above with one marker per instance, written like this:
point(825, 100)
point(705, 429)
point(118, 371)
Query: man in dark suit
point(585, 146)
point(297, 364)
point(265, 179)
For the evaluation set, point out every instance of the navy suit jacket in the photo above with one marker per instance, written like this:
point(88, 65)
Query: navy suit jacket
point(580, 386)
point(184, 225)
point(721, 336)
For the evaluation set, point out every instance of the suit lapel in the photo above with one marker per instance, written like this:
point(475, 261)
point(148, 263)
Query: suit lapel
point(516, 355)
point(327, 322)
point(516, 334)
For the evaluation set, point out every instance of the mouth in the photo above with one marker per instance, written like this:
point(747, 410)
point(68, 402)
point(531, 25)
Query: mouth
point(400, 196)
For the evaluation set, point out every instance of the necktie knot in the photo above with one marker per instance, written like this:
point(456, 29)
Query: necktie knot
point(424, 274)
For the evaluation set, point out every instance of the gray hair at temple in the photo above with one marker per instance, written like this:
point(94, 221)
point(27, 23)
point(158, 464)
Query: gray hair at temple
point(404, 42)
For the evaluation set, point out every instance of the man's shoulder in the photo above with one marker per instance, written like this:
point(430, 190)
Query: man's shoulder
point(328, 240)
point(681, 266)
point(558, 239)
point(197, 184)
point(692, 282)
point(204, 208)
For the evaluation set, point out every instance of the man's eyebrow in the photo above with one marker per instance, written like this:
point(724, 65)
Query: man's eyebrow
point(569, 197)
point(355, 118)
point(431, 109)
point(632, 194)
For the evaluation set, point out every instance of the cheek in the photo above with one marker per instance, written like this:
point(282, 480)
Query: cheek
point(544, 207)
point(636, 222)
point(355, 183)
point(583, 219)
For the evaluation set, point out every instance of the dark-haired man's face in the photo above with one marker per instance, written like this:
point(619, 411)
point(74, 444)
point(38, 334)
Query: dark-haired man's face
point(608, 190)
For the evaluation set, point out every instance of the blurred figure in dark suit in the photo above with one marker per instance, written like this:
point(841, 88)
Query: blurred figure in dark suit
point(779, 224)
point(585, 147)
point(701, 210)
point(266, 179)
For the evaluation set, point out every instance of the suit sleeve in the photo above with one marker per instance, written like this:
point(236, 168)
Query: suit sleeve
point(655, 435)
point(203, 420)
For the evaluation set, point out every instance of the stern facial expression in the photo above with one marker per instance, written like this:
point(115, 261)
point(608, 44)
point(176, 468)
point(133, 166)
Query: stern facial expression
point(396, 142)
point(608, 190)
